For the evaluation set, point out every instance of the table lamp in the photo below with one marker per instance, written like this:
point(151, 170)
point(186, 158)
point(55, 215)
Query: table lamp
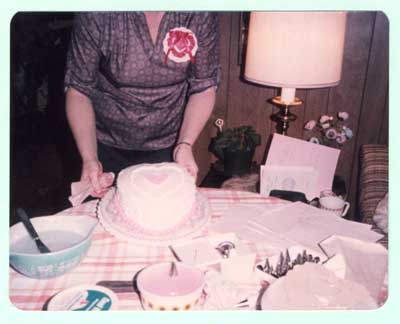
point(293, 50)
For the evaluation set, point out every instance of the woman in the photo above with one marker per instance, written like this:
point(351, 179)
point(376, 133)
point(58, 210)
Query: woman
point(140, 87)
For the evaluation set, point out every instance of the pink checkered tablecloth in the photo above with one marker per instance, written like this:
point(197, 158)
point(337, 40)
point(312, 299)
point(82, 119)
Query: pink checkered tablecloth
point(111, 259)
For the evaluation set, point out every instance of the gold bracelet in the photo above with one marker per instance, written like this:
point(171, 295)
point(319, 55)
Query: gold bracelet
point(176, 148)
point(183, 143)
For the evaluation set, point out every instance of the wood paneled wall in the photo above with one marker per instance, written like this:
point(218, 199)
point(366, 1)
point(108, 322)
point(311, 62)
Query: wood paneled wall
point(363, 92)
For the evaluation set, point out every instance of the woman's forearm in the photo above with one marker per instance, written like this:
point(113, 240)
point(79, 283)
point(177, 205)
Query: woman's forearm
point(81, 119)
point(197, 113)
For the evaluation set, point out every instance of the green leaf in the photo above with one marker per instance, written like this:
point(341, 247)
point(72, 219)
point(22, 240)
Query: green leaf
point(243, 138)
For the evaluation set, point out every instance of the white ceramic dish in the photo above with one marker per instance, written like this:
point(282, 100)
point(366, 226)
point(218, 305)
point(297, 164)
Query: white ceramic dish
point(84, 298)
point(160, 291)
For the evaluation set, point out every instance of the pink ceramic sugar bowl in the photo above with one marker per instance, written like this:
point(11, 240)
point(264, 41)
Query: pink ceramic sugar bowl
point(163, 289)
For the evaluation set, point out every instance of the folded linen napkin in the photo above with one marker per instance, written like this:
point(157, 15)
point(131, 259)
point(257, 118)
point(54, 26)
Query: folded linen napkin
point(312, 287)
point(80, 190)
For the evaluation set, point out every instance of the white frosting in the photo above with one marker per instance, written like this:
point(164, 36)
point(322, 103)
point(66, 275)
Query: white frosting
point(156, 197)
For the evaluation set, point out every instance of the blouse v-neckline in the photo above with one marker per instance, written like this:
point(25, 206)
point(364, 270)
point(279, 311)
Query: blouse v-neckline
point(153, 43)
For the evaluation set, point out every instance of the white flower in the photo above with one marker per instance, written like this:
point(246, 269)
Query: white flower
point(341, 139)
point(348, 132)
point(314, 140)
point(310, 125)
point(325, 118)
point(331, 133)
point(343, 115)
point(326, 125)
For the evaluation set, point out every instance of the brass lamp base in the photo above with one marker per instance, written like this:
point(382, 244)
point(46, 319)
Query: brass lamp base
point(284, 116)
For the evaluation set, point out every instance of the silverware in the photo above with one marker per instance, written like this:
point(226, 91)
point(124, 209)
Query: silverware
point(174, 253)
point(118, 286)
point(173, 271)
point(261, 292)
point(324, 252)
point(31, 230)
point(243, 304)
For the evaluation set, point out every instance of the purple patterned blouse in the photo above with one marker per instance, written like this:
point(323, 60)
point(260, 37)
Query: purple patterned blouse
point(139, 89)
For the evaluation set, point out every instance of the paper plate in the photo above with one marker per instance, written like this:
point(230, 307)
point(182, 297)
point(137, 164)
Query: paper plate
point(84, 298)
point(186, 231)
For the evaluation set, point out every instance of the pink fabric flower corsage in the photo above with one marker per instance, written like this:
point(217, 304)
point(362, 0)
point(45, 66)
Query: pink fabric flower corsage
point(180, 45)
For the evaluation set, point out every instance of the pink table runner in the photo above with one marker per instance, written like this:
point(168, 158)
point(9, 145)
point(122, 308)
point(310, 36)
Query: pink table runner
point(111, 259)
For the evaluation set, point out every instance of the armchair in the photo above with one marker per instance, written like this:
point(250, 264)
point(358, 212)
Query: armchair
point(373, 182)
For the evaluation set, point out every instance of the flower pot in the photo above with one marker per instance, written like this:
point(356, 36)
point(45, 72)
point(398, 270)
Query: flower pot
point(237, 162)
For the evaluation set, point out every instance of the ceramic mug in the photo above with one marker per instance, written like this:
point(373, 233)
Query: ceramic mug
point(334, 204)
point(327, 193)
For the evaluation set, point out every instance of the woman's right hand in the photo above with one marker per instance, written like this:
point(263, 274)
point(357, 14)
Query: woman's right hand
point(91, 172)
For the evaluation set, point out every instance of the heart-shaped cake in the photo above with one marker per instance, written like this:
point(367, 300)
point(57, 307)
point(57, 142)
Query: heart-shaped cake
point(154, 197)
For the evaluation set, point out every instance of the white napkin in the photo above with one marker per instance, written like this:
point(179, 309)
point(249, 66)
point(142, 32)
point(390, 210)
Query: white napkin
point(244, 222)
point(82, 189)
point(310, 286)
point(363, 262)
point(238, 267)
point(223, 294)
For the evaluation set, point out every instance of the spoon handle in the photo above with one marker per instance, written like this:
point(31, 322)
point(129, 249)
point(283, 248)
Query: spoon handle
point(118, 286)
point(174, 253)
point(31, 230)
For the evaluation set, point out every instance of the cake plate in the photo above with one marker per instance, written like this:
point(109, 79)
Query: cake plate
point(192, 227)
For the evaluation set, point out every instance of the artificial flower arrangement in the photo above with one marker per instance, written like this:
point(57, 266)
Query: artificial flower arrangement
point(330, 131)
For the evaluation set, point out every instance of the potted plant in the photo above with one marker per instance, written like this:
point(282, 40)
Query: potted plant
point(235, 148)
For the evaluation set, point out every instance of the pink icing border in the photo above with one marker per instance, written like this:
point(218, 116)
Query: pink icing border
point(121, 219)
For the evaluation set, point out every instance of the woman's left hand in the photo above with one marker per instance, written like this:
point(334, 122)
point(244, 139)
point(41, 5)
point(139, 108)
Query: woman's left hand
point(183, 155)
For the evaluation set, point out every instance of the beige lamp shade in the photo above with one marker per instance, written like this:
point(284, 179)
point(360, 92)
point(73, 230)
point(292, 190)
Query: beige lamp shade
point(295, 49)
